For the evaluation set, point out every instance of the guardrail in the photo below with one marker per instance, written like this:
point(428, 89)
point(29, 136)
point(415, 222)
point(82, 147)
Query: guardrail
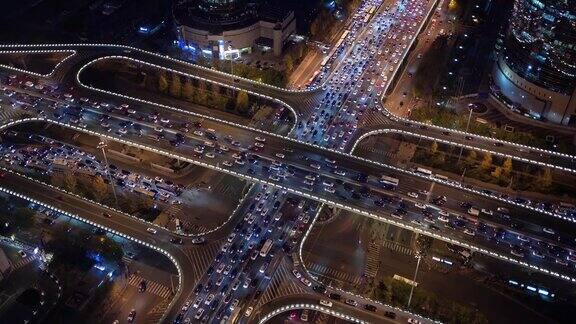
point(312, 307)
point(128, 237)
point(317, 198)
point(72, 53)
point(183, 74)
point(466, 146)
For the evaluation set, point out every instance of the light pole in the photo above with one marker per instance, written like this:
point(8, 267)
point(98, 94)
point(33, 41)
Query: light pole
point(471, 108)
point(414, 279)
point(103, 145)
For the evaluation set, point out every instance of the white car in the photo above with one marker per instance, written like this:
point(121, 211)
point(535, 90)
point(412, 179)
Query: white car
point(248, 311)
point(296, 274)
point(420, 205)
point(412, 194)
point(151, 230)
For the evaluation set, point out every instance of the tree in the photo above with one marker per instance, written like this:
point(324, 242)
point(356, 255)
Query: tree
point(242, 101)
point(99, 189)
point(545, 179)
point(22, 217)
point(176, 86)
point(162, 82)
point(486, 163)
point(497, 173)
point(314, 28)
point(187, 89)
point(69, 182)
point(288, 62)
point(507, 167)
point(471, 157)
point(434, 148)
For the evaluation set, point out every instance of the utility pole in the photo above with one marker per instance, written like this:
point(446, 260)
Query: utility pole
point(467, 127)
point(103, 145)
point(414, 279)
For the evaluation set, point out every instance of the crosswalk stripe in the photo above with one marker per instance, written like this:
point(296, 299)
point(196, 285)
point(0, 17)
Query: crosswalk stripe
point(151, 286)
point(397, 247)
point(23, 262)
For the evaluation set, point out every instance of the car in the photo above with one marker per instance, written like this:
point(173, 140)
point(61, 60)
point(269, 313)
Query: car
point(420, 205)
point(234, 304)
point(390, 314)
point(209, 299)
point(199, 313)
point(296, 273)
point(151, 230)
point(106, 215)
point(412, 194)
point(248, 311)
point(548, 230)
point(198, 240)
point(22, 253)
point(176, 240)
point(351, 302)
point(131, 316)
point(305, 281)
point(370, 308)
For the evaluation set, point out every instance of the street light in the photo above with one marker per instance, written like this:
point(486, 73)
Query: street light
point(419, 257)
point(471, 108)
point(103, 145)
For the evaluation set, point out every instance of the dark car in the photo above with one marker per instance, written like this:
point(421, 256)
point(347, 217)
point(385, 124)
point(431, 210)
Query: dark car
point(369, 307)
point(335, 296)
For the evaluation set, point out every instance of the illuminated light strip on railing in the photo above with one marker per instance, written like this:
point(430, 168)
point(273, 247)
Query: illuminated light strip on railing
point(212, 230)
point(466, 146)
point(165, 57)
point(110, 230)
point(280, 102)
point(300, 255)
point(312, 307)
point(310, 196)
point(402, 119)
point(72, 53)
point(322, 148)
point(386, 111)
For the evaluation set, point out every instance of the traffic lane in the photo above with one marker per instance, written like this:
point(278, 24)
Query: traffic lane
point(313, 299)
point(319, 191)
point(519, 152)
point(534, 222)
point(298, 186)
point(118, 222)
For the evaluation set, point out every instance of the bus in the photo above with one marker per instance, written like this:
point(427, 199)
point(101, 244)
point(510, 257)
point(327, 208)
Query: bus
point(266, 248)
point(441, 177)
point(423, 171)
point(389, 181)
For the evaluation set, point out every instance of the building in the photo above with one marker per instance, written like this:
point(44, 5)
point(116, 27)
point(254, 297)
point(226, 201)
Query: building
point(536, 71)
point(228, 28)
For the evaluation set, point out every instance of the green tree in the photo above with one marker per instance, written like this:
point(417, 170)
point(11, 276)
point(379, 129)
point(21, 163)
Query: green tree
point(486, 163)
point(176, 86)
point(70, 182)
point(22, 218)
point(471, 157)
point(507, 167)
point(242, 101)
point(314, 27)
point(162, 82)
point(545, 179)
point(99, 189)
point(187, 89)
point(497, 173)
point(288, 62)
point(433, 148)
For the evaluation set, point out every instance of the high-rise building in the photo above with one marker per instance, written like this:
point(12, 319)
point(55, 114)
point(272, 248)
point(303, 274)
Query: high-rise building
point(537, 68)
point(227, 28)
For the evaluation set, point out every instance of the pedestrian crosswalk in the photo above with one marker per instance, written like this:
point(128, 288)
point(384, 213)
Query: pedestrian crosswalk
point(23, 262)
point(282, 284)
point(203, 257)
point(373, 259)
point(322, 271)
point(152, 287)
point(397, 247)
point(156, 313)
